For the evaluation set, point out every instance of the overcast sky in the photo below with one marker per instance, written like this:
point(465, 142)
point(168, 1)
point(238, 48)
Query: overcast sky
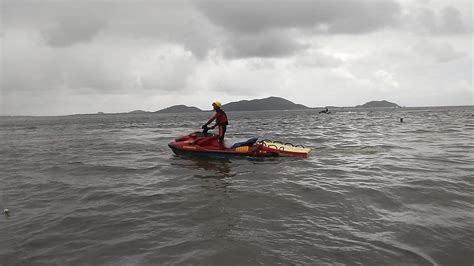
point(65, 57)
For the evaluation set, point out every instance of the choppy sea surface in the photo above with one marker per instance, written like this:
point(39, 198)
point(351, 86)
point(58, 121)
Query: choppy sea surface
point(107, 190)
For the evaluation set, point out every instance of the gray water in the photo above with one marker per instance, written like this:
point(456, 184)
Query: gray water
point(107, 190)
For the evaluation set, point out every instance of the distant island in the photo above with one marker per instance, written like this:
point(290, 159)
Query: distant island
point(179, 109)
point(378, 104)
point(270, 103)
point(138, 112)
point(265, 104)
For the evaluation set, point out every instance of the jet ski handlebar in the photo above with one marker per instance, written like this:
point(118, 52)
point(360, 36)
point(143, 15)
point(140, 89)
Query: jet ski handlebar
point(205, 129)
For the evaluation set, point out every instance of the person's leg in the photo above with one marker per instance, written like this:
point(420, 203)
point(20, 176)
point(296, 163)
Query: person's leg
point(222, 130)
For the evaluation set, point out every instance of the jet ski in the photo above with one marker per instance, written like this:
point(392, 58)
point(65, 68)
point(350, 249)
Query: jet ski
point(206, 144)
point(325, 111)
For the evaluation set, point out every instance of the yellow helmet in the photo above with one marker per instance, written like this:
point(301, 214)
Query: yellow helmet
point(217, 104)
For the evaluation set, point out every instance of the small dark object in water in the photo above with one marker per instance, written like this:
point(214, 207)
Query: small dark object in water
point(401, 120)
point(6, 212)
point(326, 111)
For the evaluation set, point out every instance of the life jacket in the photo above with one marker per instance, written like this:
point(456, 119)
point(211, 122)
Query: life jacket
point(221, 118)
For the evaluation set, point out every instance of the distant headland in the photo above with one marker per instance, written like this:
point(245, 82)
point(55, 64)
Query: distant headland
point(179, 109)
point(264, 104)
point(378, 104)
point(270, 104)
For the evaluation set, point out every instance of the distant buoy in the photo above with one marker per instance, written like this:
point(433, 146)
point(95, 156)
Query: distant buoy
point(401, 120)
point(6, 212)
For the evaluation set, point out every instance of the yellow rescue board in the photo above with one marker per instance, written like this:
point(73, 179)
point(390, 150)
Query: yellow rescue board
point(287, 148)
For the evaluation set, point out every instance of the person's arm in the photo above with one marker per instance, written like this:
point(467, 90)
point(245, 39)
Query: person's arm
point(210, 120)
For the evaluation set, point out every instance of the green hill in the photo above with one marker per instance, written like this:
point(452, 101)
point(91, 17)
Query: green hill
point(179, 109)
point(378, 104)
point(270, 103)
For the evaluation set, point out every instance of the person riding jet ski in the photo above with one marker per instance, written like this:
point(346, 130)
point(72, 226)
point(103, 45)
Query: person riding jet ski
point(325, 111)
point(221, 121)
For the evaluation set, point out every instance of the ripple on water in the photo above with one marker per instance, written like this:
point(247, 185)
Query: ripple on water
point(105, 189)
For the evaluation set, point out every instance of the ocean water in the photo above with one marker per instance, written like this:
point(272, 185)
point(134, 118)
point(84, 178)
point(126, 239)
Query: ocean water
point(107, 190)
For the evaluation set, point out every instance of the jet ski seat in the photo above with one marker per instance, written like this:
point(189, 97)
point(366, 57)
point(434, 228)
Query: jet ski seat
point(235, 143)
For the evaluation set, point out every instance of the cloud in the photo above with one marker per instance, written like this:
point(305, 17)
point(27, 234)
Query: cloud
point(451, 21)
point(351, 17)
point(174, 23)
point(60, 23)
point(268, 44)
point(63, 24)
point(442, 52)
point(164, 69)
point(447, 20)
point(131, 67)
point(70, 56)
point(253, 78)
point(72, 32)
point(274, 29)
point(314, 58)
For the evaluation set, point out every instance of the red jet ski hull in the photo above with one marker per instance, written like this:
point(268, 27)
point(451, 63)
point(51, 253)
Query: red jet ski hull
point(202, 143)
point(198, 143)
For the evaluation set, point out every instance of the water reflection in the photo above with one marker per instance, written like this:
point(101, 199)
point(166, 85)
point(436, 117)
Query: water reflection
point(215, 173)
point(215, 168)
point(211, 168)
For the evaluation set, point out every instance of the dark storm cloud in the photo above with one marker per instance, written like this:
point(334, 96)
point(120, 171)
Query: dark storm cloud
point(71, 32)
point(333, 16)
point(63, 24)
point(269, 29)
point(56, 50)
point(172, 22)
point(60, 23)
point(271, 44)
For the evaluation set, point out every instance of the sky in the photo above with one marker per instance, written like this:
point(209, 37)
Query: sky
point(66, 57)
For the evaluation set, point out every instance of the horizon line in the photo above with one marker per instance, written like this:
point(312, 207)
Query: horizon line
point(320, 107)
